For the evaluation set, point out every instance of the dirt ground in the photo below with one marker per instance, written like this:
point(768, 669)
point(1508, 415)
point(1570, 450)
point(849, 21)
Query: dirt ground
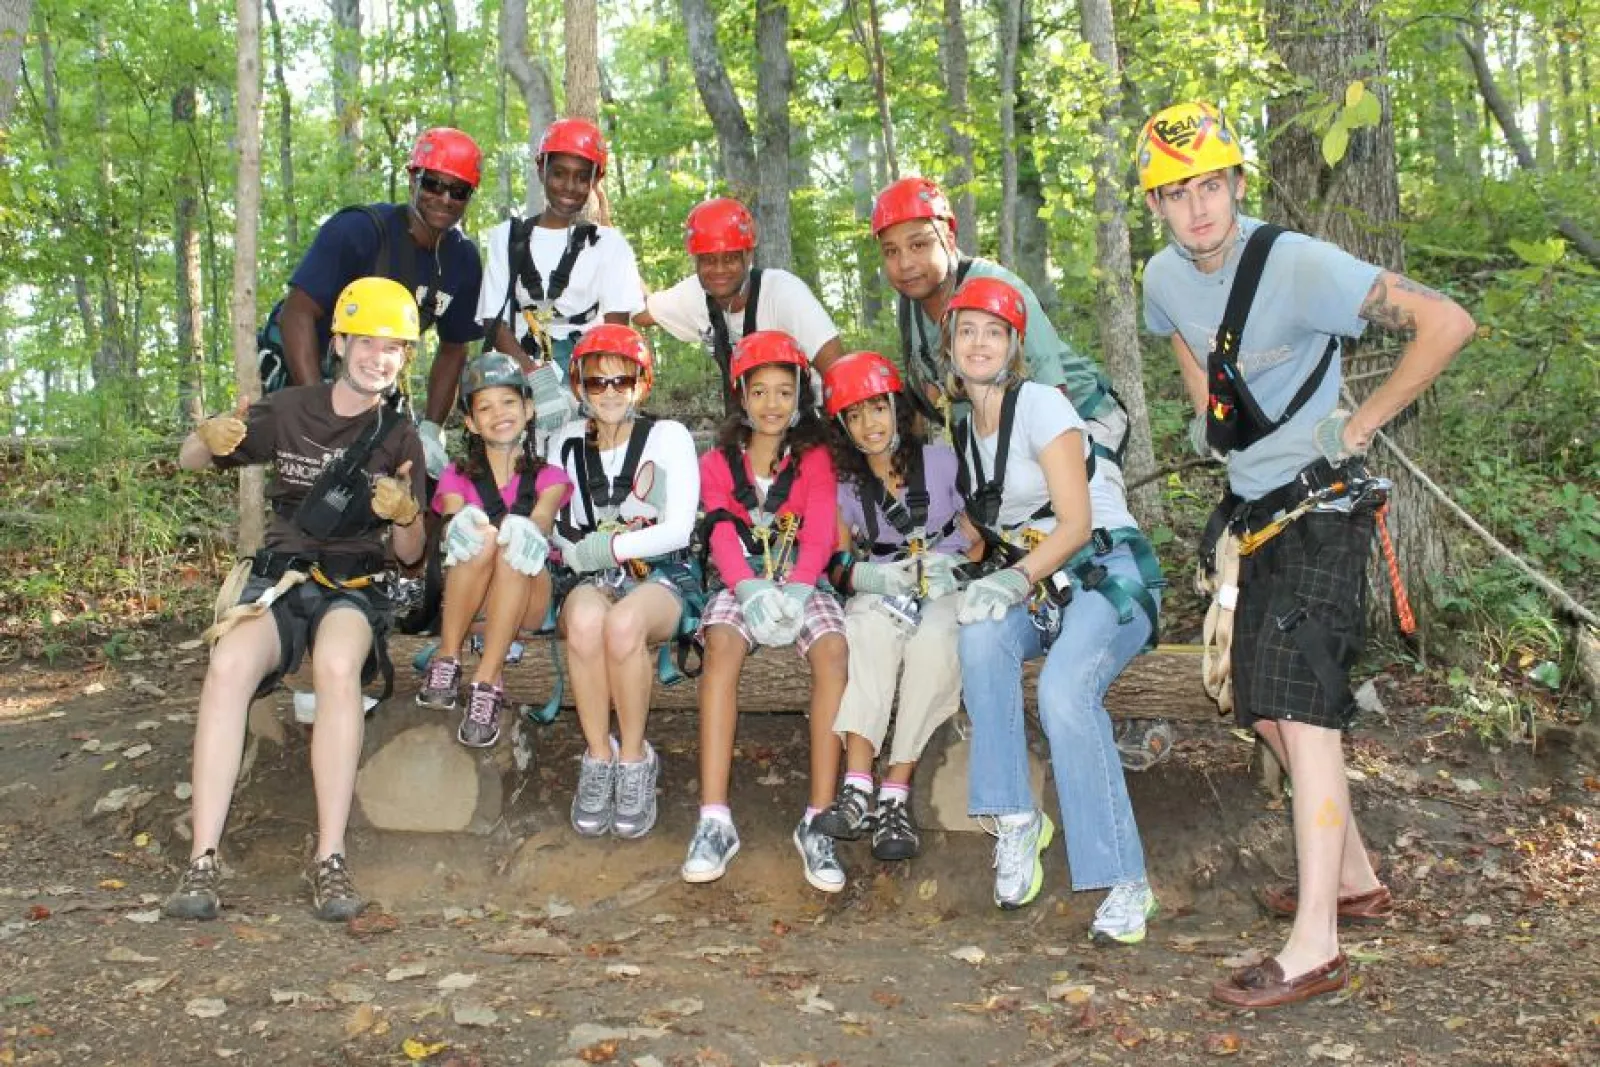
point(530, 946)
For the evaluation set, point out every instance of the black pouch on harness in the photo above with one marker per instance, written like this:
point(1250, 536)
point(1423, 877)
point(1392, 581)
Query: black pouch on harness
point(339, 503)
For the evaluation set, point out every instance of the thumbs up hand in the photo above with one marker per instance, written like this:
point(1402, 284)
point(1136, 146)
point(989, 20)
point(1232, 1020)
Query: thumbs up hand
point(392, 498)
point(221, 434)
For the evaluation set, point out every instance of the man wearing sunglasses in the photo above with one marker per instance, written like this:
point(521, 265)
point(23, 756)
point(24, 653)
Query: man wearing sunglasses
point(551, 278)
point(418, 244)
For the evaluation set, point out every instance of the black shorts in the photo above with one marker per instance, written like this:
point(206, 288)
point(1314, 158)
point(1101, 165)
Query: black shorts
point(299, 613)
point(1301, 622)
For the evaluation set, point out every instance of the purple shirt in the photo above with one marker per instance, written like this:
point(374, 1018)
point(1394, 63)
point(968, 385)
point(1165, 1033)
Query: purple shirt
point(944, 501)
point(453, 481)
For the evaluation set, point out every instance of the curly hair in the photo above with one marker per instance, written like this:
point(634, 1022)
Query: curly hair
point(476, 462)
point(850, 463)
point(810, 432)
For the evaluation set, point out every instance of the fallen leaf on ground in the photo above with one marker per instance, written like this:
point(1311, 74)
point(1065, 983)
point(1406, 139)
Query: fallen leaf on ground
point(532, 945)
point(151, 916)
point(119, 954)
point(360, 1021)
point(255, 936)
point(345, 993)
point(1225, 1044)
point(205, 1007)
point(599, 1052)
point(404, 971)
point(1339, 1052)
point(112, 884)
point(1071, 992)
point(467, 1013)
point(456, 980)
point(372, 923)
point(289, 996)
point(623, 970)
point(927, 889)
point(146, 986)
point(420, 1050)
point(969, 954)
point(38, 913)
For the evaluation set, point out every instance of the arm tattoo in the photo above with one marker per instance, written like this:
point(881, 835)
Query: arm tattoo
point(1385, 314)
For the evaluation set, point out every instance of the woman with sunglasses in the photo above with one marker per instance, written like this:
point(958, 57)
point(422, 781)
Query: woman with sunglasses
point(768, 490)
point(624, 540)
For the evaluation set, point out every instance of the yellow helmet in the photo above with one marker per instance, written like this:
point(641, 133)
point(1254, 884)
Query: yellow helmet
point(377, 307)
point(1184, 140)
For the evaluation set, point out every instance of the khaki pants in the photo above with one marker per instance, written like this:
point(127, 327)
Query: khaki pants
point(925, 665)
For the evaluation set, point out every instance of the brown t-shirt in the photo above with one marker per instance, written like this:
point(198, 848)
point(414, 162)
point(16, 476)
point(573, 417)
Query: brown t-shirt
point(298, 432)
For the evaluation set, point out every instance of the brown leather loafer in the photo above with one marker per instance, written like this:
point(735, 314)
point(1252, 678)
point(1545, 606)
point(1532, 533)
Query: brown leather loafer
point(1373, 906)
point(1263, 985)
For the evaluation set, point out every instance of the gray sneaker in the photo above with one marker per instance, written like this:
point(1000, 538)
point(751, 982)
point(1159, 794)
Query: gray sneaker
point(480, 724)
point(592, 805)
point(848, 817)
point(715, 843)
point(441, 685)
point(1018, 873)
point(333, 895)
point(635, 811)
point(822, 866)
point(196, 896)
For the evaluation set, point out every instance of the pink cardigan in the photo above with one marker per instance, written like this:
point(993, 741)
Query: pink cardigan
point(813, 496)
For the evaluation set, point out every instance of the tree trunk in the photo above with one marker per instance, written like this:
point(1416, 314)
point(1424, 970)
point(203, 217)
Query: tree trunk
point(1441, 133)
point(247, 200)
point(347, 82)
point(14, 16)
point(1033, 235)
point(58, 162)
point(1544, 90)
point(291, 215)
point(1010, 12)
point(532, 75)
point(957, 127)
point(774, 83)
point(186, 261)
point(581, 32)
point(869, 277)
point(1117, 313)
point(869, 35)
point(1567, 106)
point(447, 50)
point(734, 139)
point(1470, 118)
point(1327, 44)
point(116, 368)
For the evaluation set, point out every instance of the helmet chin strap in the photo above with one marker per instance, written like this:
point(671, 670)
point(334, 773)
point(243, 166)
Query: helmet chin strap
point(1225, 248)
point(1000, 377)
point(360, 389)
point(414, 209)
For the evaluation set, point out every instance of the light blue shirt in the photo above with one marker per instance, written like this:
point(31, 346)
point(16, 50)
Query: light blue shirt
point(1310, 291)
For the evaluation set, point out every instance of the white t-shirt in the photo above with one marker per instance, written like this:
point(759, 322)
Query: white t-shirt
point(785, 303)
point(605, 273)
point(1043, 414)
point(671, 449)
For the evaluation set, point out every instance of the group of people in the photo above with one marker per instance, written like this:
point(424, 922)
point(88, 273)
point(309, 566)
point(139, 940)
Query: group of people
point(915, 532)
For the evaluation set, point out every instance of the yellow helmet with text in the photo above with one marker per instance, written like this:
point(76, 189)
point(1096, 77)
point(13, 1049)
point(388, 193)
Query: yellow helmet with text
point(377, 307)
point(1183, 141)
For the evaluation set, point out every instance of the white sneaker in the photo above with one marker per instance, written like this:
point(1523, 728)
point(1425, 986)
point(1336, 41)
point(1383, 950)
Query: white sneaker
point(1121, 917)
point(715, 842)
point(1018, 872)
point(822, 866)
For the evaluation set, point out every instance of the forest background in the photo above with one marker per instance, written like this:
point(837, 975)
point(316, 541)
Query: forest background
point(1452, 140)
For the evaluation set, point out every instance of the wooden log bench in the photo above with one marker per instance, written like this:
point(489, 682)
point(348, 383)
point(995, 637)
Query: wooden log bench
point(416, 777)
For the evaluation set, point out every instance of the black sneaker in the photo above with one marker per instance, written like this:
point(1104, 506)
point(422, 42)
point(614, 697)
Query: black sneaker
point(894, 835)
point(196, 896)
point(333, 895)
point(441, 685)
point(848, 817)
point(480, 723)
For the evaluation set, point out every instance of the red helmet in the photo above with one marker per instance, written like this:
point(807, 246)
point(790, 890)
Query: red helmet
point(720, 225)
point(762, 348)
point(856, 377)
point(994, 296)
point(447, 151)
point(574, 137)
point(911, 198)
point(613, 339)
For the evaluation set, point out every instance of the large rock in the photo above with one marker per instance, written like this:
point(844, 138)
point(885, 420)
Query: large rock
point(939, 789)
point(422, 779)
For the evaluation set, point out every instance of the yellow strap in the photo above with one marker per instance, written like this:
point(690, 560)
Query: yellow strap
point(358, 582)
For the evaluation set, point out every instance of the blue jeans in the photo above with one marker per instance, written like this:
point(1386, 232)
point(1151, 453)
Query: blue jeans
point(1103, 847)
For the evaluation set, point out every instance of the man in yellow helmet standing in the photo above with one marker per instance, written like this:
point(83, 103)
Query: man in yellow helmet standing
point(347, 473)
point(1257, 318)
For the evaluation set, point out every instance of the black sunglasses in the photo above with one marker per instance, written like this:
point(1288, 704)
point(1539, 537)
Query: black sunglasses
point(439, 187)
point(599, 384)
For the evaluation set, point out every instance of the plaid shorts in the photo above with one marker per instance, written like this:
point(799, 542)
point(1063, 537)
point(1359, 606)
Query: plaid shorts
point(1301, 621)
point(823, 616)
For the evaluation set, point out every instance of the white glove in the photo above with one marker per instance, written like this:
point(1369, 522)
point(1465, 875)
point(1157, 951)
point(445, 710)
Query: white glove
point(433, 450)
point(990, 597)
point(467, 535)
point(765, 611)
point(522, 544)
point(795, 596)
point(592, 553)
point(939, 573)
point(553, 403)
point(1329, 436)
point(650, 485)
point(885, 579)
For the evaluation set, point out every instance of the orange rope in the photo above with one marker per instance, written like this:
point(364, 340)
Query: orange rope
point(1402, 603)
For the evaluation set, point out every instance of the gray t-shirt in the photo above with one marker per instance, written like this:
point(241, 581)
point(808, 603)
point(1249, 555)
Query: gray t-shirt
point(1050, 359)
point(1310, 291)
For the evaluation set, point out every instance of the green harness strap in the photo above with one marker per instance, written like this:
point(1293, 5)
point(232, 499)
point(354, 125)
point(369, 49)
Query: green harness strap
point(1124, 593)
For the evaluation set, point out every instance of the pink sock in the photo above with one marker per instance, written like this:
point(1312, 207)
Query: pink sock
point(860, 780)
point(810, 811)
point(720, 812)
point(894, 791)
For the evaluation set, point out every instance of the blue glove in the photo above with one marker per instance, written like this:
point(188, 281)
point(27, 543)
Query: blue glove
point(765, 612)
point(886, 579)
point(523, 545)
point(553, 403)
point(467, 535)
point(591, 554)
point(939, 573)
point(990, 597)
point(433, 450)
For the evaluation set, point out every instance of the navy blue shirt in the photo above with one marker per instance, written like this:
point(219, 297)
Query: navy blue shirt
point(347, 246)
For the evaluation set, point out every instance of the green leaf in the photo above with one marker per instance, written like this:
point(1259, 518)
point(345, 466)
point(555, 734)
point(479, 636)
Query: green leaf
point(1353, 93)
point(1335, 142)
point(1547, 674)
point(1365, 112)
point(1539, 253)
